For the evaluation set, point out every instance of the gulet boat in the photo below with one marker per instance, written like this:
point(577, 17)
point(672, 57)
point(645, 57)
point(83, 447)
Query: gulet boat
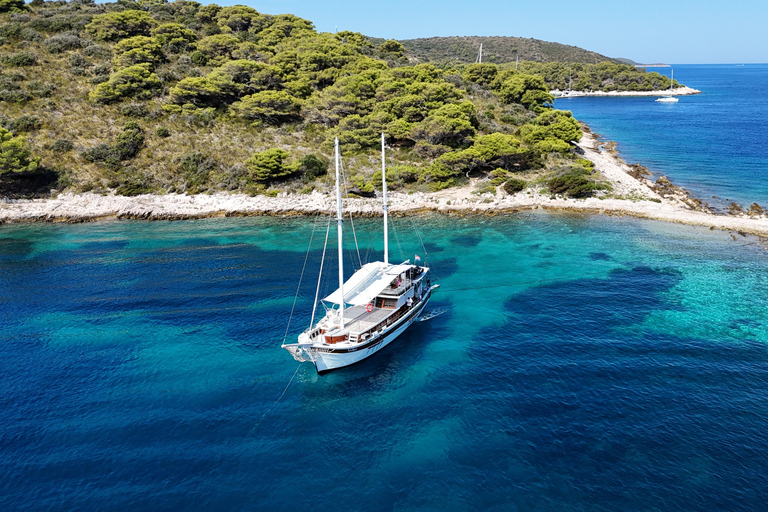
point(369, 310)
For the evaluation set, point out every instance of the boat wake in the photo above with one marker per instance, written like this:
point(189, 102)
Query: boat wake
point(429, 315)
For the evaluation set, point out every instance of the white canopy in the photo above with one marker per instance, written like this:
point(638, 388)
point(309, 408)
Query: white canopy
point(367, 283)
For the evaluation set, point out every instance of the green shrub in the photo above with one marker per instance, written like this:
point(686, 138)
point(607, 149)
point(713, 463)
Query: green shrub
point(13, 156)
point(514, 185)
point(134, 110)
point(313, 167)
point(134, 81)
point(41, 89)
point(196, 170)
point(62, 146)
point(24, 124)
point(12, 6)
point(175, 37)
point(28, 34)
point(63, 42)
point(132, 189)
point(162, 132)
point(127, 144)
point(268, 106)
point(21, 59)
point(199, 58)
point(114, 26)
point(575, 182)
point(96, 50)
point(270, 165)
point(137, 50)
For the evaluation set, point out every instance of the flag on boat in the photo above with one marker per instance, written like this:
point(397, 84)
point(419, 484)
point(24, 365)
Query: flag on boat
point(417, 258)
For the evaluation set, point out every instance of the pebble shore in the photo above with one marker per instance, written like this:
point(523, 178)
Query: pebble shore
point(632, 195)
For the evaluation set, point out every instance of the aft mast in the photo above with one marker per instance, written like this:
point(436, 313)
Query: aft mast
point(384, 195)
point(339, 220)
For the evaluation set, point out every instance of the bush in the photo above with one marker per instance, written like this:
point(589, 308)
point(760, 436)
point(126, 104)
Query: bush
point(13, 156)
point(270, 165)
point(134, 81)
point(199, 58)
point(514, 185)
point(63, 42)
point(162, 132)
point(62, 146)
point(24, 124)
point(114, 26)
point(12, 6)
point(96, 50)
point(196, 169)
point(127, 144)
point(137, 50)
point(268, 106)
point(41, 89)
point(20, 59)
point(175, 37)
point(134, 110)
point(28, 34)
point(574, 182)
point(132, 189)
point(313, 167)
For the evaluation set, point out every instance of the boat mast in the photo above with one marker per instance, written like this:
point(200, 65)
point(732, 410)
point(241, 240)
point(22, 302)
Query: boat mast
point(384, 195)
point(339, 220)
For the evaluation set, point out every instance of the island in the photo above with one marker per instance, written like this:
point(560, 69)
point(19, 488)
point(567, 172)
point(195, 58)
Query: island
point(181, 110)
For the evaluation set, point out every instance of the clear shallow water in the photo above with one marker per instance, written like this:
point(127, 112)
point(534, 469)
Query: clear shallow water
point(582, 363)
point(712, 143)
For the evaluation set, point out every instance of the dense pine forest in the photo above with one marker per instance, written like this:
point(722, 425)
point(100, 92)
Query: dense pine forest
point(157, 97)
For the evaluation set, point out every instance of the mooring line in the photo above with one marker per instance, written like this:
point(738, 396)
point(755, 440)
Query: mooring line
point(278, 399)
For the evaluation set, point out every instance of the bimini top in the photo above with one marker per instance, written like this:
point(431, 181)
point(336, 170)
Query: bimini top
point(368, 282)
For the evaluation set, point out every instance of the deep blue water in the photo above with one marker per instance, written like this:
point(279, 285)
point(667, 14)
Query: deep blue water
point(581, 364)
point(712, 143)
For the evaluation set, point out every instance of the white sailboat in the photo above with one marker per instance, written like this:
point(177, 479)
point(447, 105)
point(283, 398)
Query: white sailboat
point(368, 311)
point(670, 98)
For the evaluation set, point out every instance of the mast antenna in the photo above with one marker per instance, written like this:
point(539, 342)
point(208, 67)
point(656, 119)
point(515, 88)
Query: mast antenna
point(384, 195)
point(339, 221)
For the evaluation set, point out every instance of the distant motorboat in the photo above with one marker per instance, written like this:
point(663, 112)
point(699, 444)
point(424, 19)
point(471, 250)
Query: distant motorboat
point(670, 98)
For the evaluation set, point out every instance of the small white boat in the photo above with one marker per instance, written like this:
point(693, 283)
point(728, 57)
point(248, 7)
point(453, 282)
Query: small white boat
point(368, 311)
point(670, 98)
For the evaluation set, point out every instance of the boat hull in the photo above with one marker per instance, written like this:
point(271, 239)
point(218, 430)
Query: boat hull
point(326, 360)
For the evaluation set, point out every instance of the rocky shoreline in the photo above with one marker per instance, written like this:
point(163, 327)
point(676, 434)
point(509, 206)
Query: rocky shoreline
point(633, 194)
point(679, 91)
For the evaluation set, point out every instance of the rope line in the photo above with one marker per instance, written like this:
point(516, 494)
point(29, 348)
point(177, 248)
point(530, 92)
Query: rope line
point(352, 222)
point(296, 297)
point(320, 275)
point(278, 399)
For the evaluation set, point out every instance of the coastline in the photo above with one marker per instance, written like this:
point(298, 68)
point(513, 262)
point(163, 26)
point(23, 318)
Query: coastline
point(679, 91)
point(632, 195)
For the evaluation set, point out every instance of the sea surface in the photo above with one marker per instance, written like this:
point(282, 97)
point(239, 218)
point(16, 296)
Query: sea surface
point(573, 363)
point(714, 143)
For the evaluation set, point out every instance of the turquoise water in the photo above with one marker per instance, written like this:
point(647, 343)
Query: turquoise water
point(712, 143)
point(579, 363)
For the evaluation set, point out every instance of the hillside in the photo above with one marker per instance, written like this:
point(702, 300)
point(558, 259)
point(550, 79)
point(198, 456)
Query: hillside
point(155, 97)
point(497, 50)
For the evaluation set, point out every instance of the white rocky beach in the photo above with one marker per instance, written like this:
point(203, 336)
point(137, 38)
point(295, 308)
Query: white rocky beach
point(677, 91)
point(633, 194)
